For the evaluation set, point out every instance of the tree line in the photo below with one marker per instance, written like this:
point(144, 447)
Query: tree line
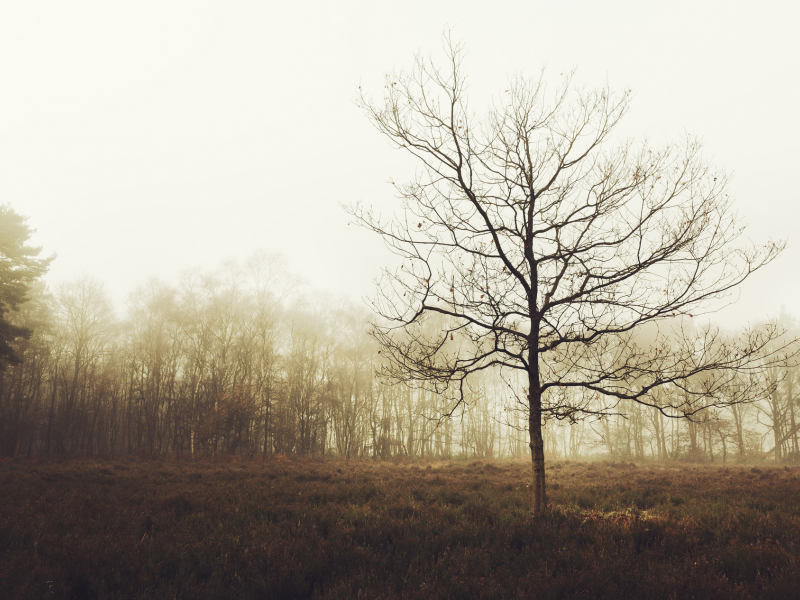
point(236, 362)
point(240, 361)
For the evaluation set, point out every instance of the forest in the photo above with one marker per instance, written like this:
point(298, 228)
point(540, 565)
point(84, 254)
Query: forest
point(244, 361)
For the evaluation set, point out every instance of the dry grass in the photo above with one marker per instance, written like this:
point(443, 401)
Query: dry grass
point(304, 529)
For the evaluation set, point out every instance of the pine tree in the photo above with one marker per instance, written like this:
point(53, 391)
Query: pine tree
point(19, 269)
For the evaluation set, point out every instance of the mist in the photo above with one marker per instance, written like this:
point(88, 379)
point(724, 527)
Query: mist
point(343, 300)
point(142, 147)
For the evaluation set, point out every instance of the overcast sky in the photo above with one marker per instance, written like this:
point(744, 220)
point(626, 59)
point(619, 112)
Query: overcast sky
point(146, 138)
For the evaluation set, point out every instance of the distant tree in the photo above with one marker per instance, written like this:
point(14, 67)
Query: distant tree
point(85, 323)
point(779, 408)
point(545, 246)
point(22, 386)
point(19, 269)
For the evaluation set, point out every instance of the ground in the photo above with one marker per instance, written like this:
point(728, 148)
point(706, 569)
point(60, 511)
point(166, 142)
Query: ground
point(134, 528)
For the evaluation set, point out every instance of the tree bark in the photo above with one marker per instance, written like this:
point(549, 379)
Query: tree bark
point(538, 497)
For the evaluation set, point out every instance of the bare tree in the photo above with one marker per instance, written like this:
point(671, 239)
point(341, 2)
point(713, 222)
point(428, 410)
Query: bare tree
point(86, 319)
point(155, 357)
point(779, 407)
point(544, 245)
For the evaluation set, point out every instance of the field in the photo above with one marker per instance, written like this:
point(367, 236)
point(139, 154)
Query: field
point(306, 529)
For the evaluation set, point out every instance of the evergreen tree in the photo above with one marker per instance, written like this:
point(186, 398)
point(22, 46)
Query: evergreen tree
point(19, 268)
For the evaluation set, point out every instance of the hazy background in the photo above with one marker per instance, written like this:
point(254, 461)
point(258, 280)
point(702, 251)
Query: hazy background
point(146, 138)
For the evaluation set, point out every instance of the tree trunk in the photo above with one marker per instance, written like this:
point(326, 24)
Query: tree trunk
point(737, 420)
point(693, 449)
point(776, 429)
point(538, 497)
point(792, 404)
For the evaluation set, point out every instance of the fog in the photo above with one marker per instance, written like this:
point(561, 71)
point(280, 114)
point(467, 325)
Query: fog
point(148, 139)
point(228, 386)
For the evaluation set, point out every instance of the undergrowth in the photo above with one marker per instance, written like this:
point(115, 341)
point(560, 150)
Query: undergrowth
point(306, 529)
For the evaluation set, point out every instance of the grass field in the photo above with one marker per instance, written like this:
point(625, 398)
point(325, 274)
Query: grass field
point(306, 529)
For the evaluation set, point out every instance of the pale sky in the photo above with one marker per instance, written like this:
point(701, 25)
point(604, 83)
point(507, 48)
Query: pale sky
point(146, 138)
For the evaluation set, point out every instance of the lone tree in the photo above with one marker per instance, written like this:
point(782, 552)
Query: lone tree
point(19, 268)
point(544, 247)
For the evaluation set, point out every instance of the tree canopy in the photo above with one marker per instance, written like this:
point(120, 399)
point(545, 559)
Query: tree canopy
point(546, 247)
point(19, 269)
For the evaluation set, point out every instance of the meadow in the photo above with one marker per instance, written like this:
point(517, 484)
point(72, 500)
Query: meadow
point(284, 528)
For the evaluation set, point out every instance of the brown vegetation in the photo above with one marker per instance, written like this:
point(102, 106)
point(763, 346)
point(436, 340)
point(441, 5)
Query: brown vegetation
point(283, 528)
